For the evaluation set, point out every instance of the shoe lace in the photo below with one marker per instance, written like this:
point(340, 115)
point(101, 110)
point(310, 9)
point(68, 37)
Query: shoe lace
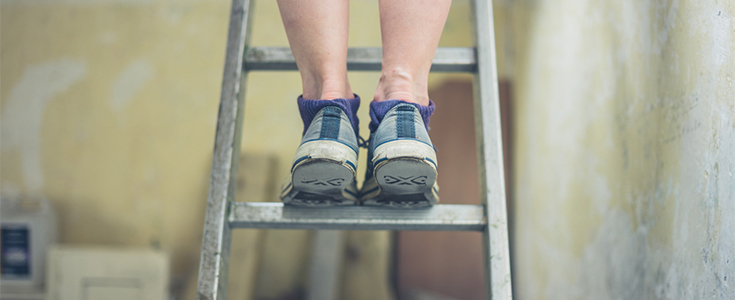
point(361, 142)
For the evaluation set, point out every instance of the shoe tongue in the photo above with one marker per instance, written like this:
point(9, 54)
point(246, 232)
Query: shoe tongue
point(378, 110)
point(309, 108)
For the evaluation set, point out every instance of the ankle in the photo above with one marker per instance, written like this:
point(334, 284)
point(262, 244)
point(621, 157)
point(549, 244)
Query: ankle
point(331, 95)
point(400, 85)
point(327, 89)
point(336, 89)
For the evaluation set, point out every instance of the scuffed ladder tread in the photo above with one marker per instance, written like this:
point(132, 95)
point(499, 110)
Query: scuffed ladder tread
point(277, 216)
point(446, 59)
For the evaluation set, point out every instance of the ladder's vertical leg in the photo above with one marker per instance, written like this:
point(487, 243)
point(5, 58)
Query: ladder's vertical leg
point(217, 233)
point(490, 155)
point(326, 260)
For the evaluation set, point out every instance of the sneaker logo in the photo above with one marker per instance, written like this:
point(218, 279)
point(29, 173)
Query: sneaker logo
point(329, 182)
point(409, 180)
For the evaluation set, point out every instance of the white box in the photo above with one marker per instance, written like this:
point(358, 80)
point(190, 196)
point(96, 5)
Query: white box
point(96, 273)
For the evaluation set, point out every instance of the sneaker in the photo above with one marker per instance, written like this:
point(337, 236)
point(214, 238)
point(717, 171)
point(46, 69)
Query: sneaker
point(402, 167)
point(323, 169)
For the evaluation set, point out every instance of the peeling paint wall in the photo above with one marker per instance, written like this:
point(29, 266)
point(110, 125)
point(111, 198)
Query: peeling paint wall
point(625, 123)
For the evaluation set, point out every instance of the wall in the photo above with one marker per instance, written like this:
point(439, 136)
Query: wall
point(625, 128)
point(109, 110)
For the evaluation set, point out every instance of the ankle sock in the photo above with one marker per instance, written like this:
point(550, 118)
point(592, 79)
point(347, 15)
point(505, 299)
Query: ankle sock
point(309, 108)
point(378, 109)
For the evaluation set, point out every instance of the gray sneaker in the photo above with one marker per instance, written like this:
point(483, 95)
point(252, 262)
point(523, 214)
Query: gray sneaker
point(323, 169)
point(402, 167)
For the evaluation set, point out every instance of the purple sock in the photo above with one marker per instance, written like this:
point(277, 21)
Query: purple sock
point(309, 108)
point(380, 108)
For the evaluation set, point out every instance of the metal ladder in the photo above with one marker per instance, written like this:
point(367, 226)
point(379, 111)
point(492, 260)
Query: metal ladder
point(224, 214)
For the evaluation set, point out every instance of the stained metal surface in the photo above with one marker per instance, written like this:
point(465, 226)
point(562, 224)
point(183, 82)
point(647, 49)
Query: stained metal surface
point(490, 156)
point(275, 215)
point(359, 59)
point(213, 266)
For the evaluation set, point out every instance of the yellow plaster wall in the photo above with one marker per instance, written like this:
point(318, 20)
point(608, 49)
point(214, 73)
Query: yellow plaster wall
point(109, 109)
point(625, 128)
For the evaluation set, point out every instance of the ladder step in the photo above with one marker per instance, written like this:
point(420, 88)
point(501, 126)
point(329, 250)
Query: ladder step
point(276, 216)
point(446, 59)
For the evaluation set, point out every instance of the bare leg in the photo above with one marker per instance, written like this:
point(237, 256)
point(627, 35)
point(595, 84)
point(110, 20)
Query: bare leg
point(410, 31)
point(317, 32)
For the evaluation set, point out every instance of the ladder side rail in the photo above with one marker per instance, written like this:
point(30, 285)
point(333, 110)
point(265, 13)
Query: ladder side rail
point(490, 155)
point(214, 262)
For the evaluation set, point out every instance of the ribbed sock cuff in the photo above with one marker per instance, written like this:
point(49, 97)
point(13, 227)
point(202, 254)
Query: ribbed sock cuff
point(309, 108)
point(378, 109)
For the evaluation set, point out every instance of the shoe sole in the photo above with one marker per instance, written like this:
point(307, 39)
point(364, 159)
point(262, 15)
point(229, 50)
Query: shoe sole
point(320, 183)
point(405, 183)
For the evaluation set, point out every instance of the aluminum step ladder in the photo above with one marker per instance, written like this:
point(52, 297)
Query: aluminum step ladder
point(224, 214)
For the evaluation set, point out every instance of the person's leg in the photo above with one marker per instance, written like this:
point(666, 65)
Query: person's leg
point(410, 32)
point(317, 32)
point(323, 169)
point(402, 165)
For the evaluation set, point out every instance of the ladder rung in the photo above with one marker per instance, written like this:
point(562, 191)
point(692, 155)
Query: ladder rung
point(446, 59)
point(276, 216)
